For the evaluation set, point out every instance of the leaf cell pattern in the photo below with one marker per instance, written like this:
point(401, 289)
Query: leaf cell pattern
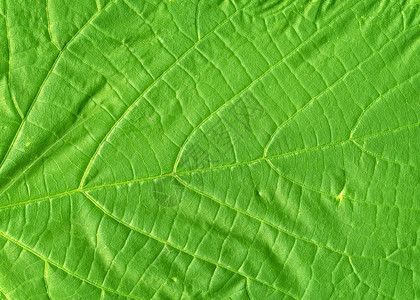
point(235, 149)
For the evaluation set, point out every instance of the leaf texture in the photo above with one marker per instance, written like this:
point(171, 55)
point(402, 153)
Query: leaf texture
point(209, 149)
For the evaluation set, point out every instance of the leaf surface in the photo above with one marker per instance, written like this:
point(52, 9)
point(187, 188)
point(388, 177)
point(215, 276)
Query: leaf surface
point(206, 149)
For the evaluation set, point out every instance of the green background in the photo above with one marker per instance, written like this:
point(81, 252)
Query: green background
point(209, 149)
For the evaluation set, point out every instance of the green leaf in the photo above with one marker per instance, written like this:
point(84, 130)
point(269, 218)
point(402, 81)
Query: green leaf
point(155, 149)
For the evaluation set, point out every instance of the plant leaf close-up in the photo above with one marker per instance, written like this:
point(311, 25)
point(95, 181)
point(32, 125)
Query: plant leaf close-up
point(209, 149)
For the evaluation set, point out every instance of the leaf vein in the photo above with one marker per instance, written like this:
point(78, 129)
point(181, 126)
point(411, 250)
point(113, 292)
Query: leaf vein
point(94, 202)
point(24, 247)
